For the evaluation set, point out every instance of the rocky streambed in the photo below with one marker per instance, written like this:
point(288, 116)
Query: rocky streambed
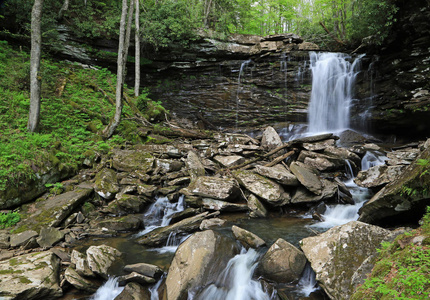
point(202, 186)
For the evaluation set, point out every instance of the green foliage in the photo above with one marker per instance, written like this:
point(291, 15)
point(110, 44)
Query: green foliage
point(55, 188)
point(402, 269)
point(73, 111)
point(9, 219)
point(167, 22)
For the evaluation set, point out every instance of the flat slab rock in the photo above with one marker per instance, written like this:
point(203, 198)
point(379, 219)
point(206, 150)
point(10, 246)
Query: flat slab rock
point(31, 276)
point(306, 177)
point(51, 212)
point(216, 188)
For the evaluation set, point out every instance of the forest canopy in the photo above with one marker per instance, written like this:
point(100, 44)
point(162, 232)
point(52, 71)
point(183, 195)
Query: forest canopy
point(176, 21)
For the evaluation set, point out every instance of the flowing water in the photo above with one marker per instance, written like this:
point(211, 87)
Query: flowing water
point(109, 290)
point(160, 213)
point(241, 71)
point(236, 281)
point(333, 78)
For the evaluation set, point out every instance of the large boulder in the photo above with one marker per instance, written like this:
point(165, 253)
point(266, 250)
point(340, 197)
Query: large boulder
point(225, 189)
point(320, 161)
point(49, 236)
point(131, 160)
point(338, 253)
point(378, 176)
point(303, 195)
point(278, 173)
point(159, 236)
point(282, 263)
point(53, 211)
point(267, 189)
point(307, 177)
point(106, 183)
point(407, 194)
point(197, 261)
point(78, 281)
point(134, 291)
point(31, 276)
point(271, 139)
point(100, 259)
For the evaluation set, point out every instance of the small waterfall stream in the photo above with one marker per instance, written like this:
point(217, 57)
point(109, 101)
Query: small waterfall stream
point(333, 78)
point(109, 290)
point(236, 282)
point(241, 71)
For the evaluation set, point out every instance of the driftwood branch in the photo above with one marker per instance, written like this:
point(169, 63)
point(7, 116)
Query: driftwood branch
point(286, 145)
point(280, 158)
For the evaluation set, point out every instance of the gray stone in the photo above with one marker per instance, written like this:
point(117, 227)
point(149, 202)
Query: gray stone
point(131, 160)
point(106, 183)
point(134, 291)
point(208, 223)
point(256, 207)
point(212, 204)
point(145, 269)
point(278, 173)
point(225, 189)
point(100, 259)
point(194, 165)
point(271, 139)
point(195, 262)
point(336, 255)
point(125, 223)
point(402, 157)
point(64, 256)
point(320, 161)
point(267, 189)
point(229, 161)
point(135, 277)
point(168, 165)
point(20, 239)
point(319, 146)
point(127, 204)
point(78, 281)
point(306, 177)
point(282, 263)
point(53, 211)
point(146, 190)
point(49, 236)
point(31, 276)
point(247, 238)
point(303, 195)
point(4, 240)
point(79, 260)
point(378, 176)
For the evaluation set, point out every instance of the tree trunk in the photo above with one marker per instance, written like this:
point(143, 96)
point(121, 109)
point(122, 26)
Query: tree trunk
point(110, 129)
point(35, 80)
point(137, 51)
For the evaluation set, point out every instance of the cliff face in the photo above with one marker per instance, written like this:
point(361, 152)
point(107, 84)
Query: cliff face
point(401, 73)
point(246, 81)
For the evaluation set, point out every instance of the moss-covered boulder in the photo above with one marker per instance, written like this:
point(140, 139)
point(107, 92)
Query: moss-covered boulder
point(106, 183)
point(31, 276)
point(226, 189)
point(52, 211)
point(337, 254)
point(131, 160)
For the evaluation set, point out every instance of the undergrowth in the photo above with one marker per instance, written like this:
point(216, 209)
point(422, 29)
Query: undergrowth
point(9, 219)
point(403, 268)
point(77, 103)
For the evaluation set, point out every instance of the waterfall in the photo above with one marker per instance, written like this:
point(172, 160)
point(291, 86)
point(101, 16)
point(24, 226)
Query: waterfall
point(160, 213)
point(242, 69)
point(371, 159)
point(235, 282)
point(108, 291)
point(333, 78)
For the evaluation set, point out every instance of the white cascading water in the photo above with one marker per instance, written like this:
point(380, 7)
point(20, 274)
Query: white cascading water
point(160, 213)
point(340, 214)
point(235, 282)
point(242, 69)
point(108, 291)
point(333, 78)
point(307, 283)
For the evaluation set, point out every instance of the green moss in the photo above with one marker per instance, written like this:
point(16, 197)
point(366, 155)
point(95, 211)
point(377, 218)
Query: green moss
point(13, 262)
point(9, 271)
point(24, 280)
